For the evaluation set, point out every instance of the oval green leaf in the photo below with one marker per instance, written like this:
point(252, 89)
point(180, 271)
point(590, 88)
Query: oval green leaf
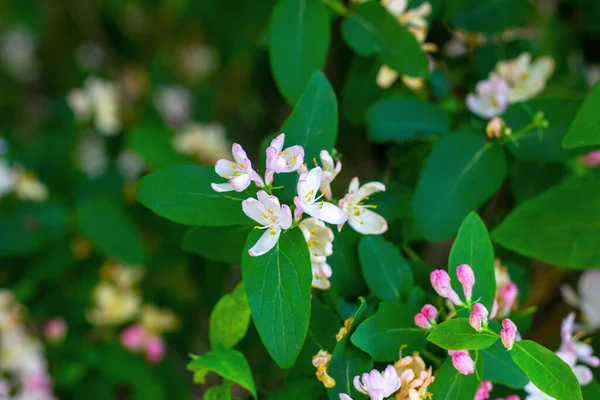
point(217, 243)
point(457, 334)
point(229, 320)
point(585, 127)
point(499, 367)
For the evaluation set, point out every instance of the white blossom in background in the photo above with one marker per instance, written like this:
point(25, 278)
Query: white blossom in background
point(28, 187)
point(491, 97)
point(360, 217)
point(525, 79)
point(308, 201)
point(174, 104)
point(100, 101)
point(17, 49)
point(461, 42)
point(90, 56)
point(587, 301)
point(92, 156)
point(23, 367)
point(239, 173)
point(207, 142)
point(319, 238)
point(272, 217)
point(197, 61)
point(131, 164)
point(7, 178)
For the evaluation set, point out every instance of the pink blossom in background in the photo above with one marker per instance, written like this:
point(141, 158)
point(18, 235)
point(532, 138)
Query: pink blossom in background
point(483, 392)
point(55, 329)
point(133, 337)
point(155, 349)
point(591, 159)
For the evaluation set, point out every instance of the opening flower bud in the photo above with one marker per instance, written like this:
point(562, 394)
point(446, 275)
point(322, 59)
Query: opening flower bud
point(462, 361)
point(508, 333)
point(440, 281)
point(422, 321)
point(466, 278)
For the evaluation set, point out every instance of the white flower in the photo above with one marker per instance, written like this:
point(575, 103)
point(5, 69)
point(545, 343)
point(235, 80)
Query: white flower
point(378, 385)
point(239, 173)
point(491, 98)
point(174, 103)
point(526, 79)
point(281, 161)
point(308, 202)
point(331, 169)
point(588, 300)
point(570, 343)
point(98, 99)
point(131, 164)
point(360, 218)
point(319, 238)
point(91, 154)
point(208, 142)
point(7, 178)
point(113, 305)
point(271, 216)
point(28, 187)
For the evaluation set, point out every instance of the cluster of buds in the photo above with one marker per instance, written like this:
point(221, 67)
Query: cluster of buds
point(426, 319)
point(441, 283)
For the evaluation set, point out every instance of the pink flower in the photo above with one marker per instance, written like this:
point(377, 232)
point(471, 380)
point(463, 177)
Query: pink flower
point(467, 279)
point(422, 321)
point(155, 349)
point(507, 294)
point(462, 361)
point(36, 381)
point(440, 280)
point(280, 161)
point(591, 159)
point(429, 311)
point(570, 343)
point(133, 337)
point(55, 329)
point(478, 316)
point(508, 333)
point(239, 173)
point(483, 392)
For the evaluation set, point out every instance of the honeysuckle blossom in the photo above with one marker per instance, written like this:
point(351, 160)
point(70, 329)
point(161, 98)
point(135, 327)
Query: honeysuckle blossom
point(344, 329)
point(570, 343)
point(330, 170)
point(478, 317)
point(280, 160)
point(440, 281)
point(360, 217)
point(271, 216)
point(205, 141)
point(239, 173)
point(99, 100)
point(55, 329)
point(319, 239)
point(491, 97)
point(462, 361)
point(321, 362)
point(136, 338)
point(174, 104)
point(512, 397)
point(591, 159)
point(525, 79)
point(483, 392)
point(508, 333)
point(587, 301)
point(377, 385)
point(466, 277)
point(308, 202)
point(415, 378)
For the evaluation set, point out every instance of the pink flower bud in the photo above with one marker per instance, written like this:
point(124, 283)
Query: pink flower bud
point(478, 316)
point(508, 294)
point(155, 349)
point(591, 159)
point(422, 322)
point(55, 329)
point(462, 361)
point(466, 278)
point(508, 333)
point(429, 311)
point(440, 280)
point(483, 392)
point(494, 309)
point(133, 337)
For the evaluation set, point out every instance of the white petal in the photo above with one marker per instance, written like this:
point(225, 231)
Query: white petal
point(583, 374)
point(239, 155)
point(222, 187)
point(368, 223)
point(240, 183)
point(344, 396)
point(285, 217)
point(226, 168)
point(270, 202)
point(267, 241)
point(327, 212)
point(277, 143)
point(368, 189)
point(569, 296)
point(255, 210)
point(294, 159)
point(313, 181)
point(354, 184)
point(326, 160)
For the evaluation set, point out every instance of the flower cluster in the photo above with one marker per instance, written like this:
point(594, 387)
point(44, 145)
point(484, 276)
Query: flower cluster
point(98, 100)
point(274, 217)
point(510, 82)
point(23, 368)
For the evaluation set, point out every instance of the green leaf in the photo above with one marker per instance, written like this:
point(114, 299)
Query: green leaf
point(457, 334)
point(546, 370)
point(474, 247)
point(299, 389)
point(345, 265)
point(542, 144)
point(487, 16)
point(390, 328)
point(228, 363)
point(462, 173)
point(360, 89)
point(153, 142)
point(405, 119)
point(313, 123)
point(347, 361)
point(30, 225)
point(298, 41)
point(584, 129)
point(499, 367)
point(387, 273)
point(221, 392)
point(449, 384)
point(559, 227)
point(374, 30)
point(229, 320)
point(183, 194)
point(217, 243)
point(278, 288)
point(110, 230)
point(591, 391)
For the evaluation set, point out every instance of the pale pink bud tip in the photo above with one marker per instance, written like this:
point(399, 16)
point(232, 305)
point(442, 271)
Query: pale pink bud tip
point(478, 316)
point(508, 333)
point(429, 311)
point(422, 321)
point(440, 281)
point(462, 361)
point(466, 278)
